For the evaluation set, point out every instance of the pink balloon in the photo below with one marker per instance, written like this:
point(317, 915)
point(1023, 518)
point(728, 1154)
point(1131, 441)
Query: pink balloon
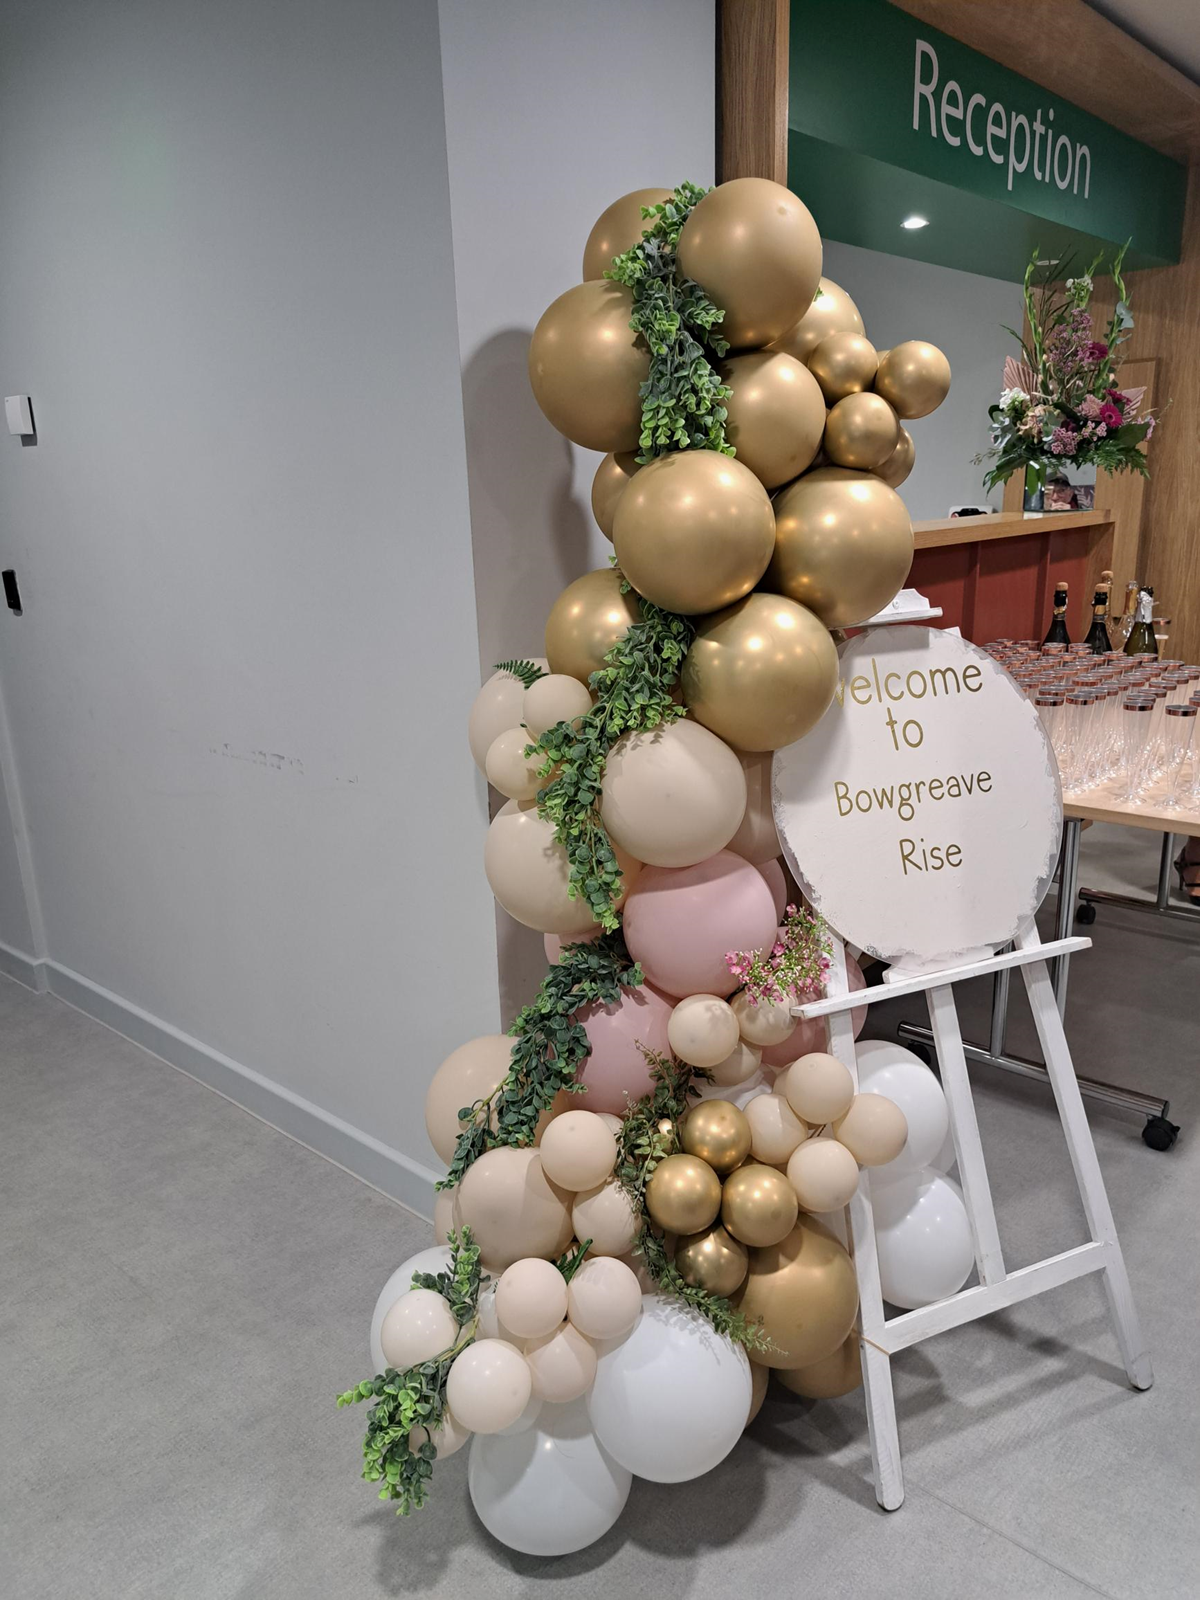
point(809, 1036)
point(554, 945)
point(616, 1073)
point(772, 872)
point(681, 921)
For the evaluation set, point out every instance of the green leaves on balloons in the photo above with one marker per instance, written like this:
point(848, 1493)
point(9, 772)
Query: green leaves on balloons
point(528, 671)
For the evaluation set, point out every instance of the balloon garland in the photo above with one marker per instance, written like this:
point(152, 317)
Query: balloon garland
point(618, 1281)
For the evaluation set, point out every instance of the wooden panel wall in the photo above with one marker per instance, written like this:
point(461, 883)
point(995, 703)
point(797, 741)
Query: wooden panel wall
point(752, 89)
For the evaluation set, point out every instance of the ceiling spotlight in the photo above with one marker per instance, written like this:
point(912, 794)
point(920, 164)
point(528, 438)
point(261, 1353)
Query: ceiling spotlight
point(914, 222)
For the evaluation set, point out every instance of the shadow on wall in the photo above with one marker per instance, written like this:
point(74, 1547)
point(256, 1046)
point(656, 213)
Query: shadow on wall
point(529, 539)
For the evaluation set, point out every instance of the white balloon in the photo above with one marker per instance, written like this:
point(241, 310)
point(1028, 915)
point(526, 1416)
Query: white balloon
point(946, 1156)
point(435, 1259)
point(887, 1068)
point(550, 1489)
point(532, 1411)
point(923, 1238)
point(670, 1401)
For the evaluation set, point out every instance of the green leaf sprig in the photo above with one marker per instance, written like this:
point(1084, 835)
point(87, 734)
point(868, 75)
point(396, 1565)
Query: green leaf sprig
point(528, 671)
point(416, 1397)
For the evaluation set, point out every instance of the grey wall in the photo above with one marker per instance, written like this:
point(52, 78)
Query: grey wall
point(238, 692)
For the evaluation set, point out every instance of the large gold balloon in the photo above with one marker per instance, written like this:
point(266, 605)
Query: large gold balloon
point(717, 1132)
point(832, 311)
point(834, 1375)
point(683, 1194)
point(712, 1260)
point(587, 365)
point(843, 363)
point(900, 463)
point(754, 248)
point(843, 545)
point(761, 673)
point(861, 432)
point(613, 473)
point(758, 1205)
point(914, 378)
point(618, 229)
point(694, 531)
point(776, 414)
point(586, 620)
point(804, 1294)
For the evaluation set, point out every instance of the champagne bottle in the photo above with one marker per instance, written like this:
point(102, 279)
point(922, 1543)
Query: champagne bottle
point(1128, 613)
point(1058, 623)
point(1141, 640)
point(1097, 634)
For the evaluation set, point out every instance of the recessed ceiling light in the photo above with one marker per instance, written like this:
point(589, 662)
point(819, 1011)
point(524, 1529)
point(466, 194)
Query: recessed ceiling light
point(914, 222)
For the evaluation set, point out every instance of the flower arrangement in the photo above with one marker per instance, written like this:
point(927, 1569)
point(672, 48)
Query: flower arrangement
point(1062, 405)
point(794, 967)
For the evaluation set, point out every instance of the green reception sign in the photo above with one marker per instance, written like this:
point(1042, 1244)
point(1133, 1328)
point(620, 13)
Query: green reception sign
point(891, 121)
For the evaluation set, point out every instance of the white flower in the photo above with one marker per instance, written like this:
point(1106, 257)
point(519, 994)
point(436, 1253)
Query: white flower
point(1011, 398)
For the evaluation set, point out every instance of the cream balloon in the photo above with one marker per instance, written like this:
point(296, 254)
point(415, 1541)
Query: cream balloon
point(447, 1437)
point(823, 1173)
point(578, 1150)
point(488, 1385)
point(612, 475)
point(531, 1298)
point(606, 1216)
point(563, 1364)
point(604, 1298)
point(874, 1129)
point(769, 1022)
point(673, 796)
point(775, 1129)
point(529, 873)
point(832, 311)
point(756, 839)
point(468, 1074)
point(512, 1208)
point(418, 1327)
point(509, 769)
point(555, 698)
point(742, 1062)
point(443, 1215)
point(818, 1087)
point(496, 709)
point(702, 1030)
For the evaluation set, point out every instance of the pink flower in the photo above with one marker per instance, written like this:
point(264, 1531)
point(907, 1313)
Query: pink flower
point(1064, 441)
point(1110, 415)
point(1095, 352)
point(1090, 406)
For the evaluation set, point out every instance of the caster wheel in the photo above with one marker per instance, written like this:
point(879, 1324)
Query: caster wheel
point(1160, 1134)
point(1086, 914)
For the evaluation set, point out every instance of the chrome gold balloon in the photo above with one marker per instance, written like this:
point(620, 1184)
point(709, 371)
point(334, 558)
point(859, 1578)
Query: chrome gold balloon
point(755, 250)
point(618, 228)
point(843, 363)
point(914, 378)
point(717, 1132)
point(834, 1375)
point(776, 414)
point(861, 432)
point(712, 1260)
point(900, 463)
point(832, 311)
point(586, 366)
point(613, 473)
point(843, 545)
point(694, 531)
point(804, 1294)
point(758, 1205)
point(586, 620)
point(683, 1194)
point(761, 673)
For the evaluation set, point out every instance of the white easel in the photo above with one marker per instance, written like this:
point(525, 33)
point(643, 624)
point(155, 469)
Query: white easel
point(997, 1288)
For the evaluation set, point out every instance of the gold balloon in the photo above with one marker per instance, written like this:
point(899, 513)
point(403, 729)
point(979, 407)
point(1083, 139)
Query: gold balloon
point(914, 378)
point(760, 1377)
point(776, 414)
point(683, 1194)
point(613, 473)
point(586, 366)
point(900, 463)
point(758, 1205)
point(832, 311)
point(618, 229)
point(761, 673)
point(843, 545)
point(712, 1260)
point(843, 363)
point(754, 248)
point(861, 432)
point(586, 620)
point(804, 1294)
point(834, 1375)
point(694, 531)
point(717, 1132)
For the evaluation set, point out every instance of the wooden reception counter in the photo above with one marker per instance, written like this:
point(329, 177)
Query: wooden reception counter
point(994, 575)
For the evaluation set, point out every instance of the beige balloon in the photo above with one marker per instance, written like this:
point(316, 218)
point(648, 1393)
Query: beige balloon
point(488, 1385)
point(900, 463)
point(775, 1129)
point(529, 873)
point(843, 363)
point(824, 1175)
point(829, 1378)
point(510, 770)
point(443, 1215)
point(563, 1364)
point(470, 1073)
point(832, 311)
point(756, 839)
point(604, 1298)
point(418, 1327)
point(531, 1297)
point(760, 1376)
point(914, 378)
point(512, 1208)
point(613, 473)
point(611, 1121)
point(769, 1022)
point(673, 796)
point(556, 698)
point(605, 1215)
point(586, 620)
point(496, 709)
point(861, 431)
point(578, 1150)
point(776, 414)
point(618, 228)
point(818, 1087)
point(586, 366)
point(874, 1129)
point(758, 1204)
point(447, 1437)
point(742, 1062)
point(702, 1030)
point(804, 1293)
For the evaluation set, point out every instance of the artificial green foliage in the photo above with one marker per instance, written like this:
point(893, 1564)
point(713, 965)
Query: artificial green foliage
point(650, 1133)
point(570, 1261)
point(528, 671)
point(417, 1397)
point(550, 1047)
point(683, 397)
point(633, 694)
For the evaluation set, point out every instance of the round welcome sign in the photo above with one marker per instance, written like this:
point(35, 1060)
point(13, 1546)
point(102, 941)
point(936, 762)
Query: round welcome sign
point(922, 814)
